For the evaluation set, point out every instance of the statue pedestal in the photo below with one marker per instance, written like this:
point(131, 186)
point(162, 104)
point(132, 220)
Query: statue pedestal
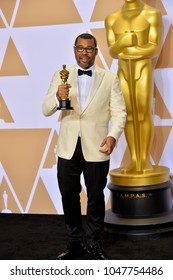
point(141, 204)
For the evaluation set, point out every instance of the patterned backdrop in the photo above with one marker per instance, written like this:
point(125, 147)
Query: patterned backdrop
point(36, 38)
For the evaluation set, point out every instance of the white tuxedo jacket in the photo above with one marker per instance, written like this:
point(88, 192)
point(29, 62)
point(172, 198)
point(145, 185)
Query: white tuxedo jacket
point(105, 103)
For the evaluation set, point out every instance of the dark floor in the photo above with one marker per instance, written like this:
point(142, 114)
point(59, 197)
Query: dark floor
point(43, 237)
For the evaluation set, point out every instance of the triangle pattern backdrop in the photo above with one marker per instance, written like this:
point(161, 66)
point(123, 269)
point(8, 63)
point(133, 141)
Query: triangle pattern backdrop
point(37, 37)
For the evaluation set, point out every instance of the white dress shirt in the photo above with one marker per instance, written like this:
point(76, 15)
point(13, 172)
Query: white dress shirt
point(84, 84)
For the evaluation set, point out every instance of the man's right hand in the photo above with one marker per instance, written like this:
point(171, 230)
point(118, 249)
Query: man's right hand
point(63, 91)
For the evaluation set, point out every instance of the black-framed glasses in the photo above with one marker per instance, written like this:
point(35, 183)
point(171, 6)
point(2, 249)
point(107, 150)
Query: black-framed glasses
point(87, 49)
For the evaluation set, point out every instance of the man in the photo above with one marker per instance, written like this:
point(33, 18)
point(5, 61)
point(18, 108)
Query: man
point(134, 35)
point(84, 142)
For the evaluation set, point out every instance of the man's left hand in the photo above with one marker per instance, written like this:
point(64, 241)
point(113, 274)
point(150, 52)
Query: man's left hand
point(109, 143)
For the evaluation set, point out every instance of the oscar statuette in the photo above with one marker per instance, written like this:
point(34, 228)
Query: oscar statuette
point(64, 104)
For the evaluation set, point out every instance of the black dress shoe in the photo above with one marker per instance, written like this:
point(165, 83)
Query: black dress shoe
point(96, 252)
point(73, 251)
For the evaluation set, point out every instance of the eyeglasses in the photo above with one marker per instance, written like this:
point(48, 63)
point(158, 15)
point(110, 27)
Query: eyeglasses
point(87, 49)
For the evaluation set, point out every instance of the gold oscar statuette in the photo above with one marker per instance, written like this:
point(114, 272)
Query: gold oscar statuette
point(64, 104)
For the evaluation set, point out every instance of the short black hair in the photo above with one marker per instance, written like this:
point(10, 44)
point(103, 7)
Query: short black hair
point(86, 36)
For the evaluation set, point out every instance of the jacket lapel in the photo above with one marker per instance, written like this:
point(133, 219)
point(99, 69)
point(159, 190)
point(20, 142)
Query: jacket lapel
point(74, 91)
point(96, 83)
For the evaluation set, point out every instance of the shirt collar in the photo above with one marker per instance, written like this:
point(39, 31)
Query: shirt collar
point(92, 68)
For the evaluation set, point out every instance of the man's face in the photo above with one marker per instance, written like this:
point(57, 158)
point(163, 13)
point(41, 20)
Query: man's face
point(85, 57)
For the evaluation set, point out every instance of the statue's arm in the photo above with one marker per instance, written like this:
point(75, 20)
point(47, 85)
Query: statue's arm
point(126, 45)
point(153, 45)
point(117, 44)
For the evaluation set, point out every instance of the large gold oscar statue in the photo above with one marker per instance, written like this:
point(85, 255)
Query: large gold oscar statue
point(134, 35)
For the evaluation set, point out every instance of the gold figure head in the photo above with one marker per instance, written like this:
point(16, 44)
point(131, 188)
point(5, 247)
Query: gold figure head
point(64, 74)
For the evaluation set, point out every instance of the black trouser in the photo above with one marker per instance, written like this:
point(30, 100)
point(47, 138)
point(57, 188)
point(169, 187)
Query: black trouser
point(95, 175)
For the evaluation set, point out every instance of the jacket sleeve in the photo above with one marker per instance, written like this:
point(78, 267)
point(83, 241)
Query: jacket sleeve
point(117, 110)
point(49, 106)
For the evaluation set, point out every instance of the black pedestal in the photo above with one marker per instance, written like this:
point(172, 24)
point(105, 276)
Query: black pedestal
point(140, 211)
point(65, 105)
point(141, 201)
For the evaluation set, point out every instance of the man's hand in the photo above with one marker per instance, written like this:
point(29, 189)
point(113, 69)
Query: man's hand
point(63, 91)
point(109, 143)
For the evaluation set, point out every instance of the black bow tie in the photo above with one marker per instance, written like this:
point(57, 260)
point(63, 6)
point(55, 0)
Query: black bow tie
point(82, 72)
